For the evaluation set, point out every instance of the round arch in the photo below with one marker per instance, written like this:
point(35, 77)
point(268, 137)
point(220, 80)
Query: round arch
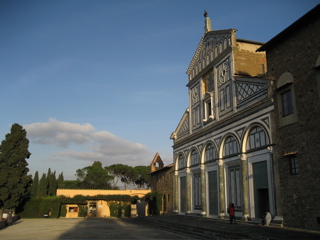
point(247, 134)
point(223, 142)
point(284, 79)
point(189, 164)
point(203, 154)
point(177, 158)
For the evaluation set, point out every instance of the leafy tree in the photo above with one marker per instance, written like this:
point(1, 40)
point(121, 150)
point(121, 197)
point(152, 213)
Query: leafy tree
point(35, 185)
point(72, 184)
point(60, 181)
point(94, 177)
point(43, 186)
point(15, 183)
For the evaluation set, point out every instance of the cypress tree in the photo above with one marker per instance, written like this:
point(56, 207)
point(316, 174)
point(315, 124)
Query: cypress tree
point(15, 183)
point(35, 185)
point(48, 176)
point(52, 184)
point(60, 181)
point(43, 186)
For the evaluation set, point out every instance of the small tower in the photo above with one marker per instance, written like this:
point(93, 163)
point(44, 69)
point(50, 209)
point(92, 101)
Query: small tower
point(207, 23)
point(156, 159)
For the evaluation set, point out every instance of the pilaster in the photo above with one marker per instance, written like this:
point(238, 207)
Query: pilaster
point(176, 193)
point(245, 188)
point(221, 188)
point(203, 191)
point(188, 191)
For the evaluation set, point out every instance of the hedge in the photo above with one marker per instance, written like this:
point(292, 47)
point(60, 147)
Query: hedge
point(38, 206)
point(56, 206)
point(116, 208)
point(80, 199)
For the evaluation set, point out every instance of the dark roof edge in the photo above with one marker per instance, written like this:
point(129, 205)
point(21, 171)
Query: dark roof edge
point(165, 167)
point(249, 41)
point(313, 13)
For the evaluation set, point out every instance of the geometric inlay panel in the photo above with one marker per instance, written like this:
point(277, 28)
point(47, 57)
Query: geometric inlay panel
point(184, 127)
point(247, 90)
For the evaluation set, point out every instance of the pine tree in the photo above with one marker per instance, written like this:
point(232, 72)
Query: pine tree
point(15, 183)
point(94, 177)
point(35, 185)
point(43, 186)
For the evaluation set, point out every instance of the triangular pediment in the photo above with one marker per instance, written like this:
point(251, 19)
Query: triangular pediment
point(183, 126)
point(210, 46)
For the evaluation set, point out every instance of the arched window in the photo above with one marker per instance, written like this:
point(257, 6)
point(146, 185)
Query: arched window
point(195, 160)
point(211, 153)
point(257, 138)
point(230, 147)
point(181, 162)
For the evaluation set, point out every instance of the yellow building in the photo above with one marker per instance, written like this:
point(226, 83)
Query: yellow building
point(99, 208)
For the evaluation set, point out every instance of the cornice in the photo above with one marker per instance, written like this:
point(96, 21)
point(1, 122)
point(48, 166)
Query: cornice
point(225, 122)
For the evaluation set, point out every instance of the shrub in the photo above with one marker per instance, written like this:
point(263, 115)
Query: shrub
point(154, 200)
point(83, 210)
point(63, 210)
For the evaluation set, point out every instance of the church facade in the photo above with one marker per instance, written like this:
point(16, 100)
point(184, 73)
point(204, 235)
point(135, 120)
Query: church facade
point(223, 144)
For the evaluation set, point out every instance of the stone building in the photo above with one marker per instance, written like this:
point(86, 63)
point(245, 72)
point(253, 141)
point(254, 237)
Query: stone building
point(223, 144)
point(293, 58)
point(162, 181)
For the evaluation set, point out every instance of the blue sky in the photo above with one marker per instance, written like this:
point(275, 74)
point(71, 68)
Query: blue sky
point(102, 80)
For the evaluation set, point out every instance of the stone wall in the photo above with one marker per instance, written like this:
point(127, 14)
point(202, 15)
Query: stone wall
point(247, 61)
point(297, 54)
point(162, 181)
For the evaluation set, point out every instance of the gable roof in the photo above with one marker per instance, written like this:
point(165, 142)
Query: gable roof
point(300, 23)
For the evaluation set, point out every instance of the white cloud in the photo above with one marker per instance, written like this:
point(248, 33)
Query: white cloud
point(94, 146)
point(60, 134)
point(110, 144)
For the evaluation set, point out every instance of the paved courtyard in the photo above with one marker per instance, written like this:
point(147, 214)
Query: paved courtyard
point(86, 228)
point(156, 227)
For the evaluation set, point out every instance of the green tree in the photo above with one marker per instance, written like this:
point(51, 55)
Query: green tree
point(71, 184)
point(35, 185)
point(94, 177)
point(43, 186)
point(15, 183)
point(52, 183)
point(60, 181)
point(142, 177)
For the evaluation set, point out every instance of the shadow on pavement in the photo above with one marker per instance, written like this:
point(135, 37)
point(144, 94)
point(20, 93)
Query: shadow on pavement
point(114, 228)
